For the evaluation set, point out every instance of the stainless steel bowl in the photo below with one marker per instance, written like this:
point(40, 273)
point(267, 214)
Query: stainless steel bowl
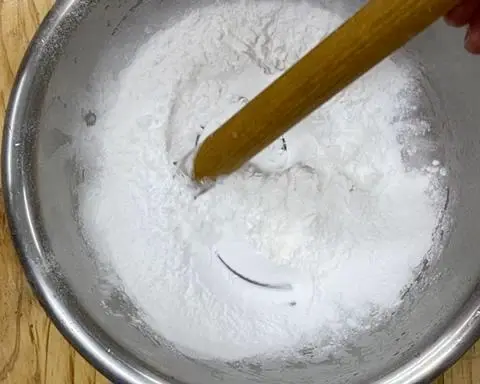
point(78, 46)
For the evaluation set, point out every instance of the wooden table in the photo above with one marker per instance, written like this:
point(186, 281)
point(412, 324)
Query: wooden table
point(32, 351)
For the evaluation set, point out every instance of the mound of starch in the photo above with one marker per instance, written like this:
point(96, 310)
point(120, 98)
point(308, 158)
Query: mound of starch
point(331, 203)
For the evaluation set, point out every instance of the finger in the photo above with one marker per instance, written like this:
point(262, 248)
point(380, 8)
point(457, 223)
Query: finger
point(472, 40)
point(462, 13)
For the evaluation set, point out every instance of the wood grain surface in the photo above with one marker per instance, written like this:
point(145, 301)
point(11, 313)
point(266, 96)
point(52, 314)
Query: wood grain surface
point(32, 351)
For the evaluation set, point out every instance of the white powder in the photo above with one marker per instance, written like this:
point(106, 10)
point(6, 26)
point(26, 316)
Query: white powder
point(336, 209)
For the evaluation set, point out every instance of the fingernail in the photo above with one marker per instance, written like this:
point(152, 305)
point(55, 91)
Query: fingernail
point(472, 41)
point(468, 40)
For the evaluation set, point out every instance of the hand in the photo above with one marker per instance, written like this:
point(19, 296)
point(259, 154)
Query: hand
point(467, 12)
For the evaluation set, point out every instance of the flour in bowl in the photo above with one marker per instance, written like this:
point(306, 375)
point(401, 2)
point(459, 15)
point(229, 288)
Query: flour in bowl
point(328, 217)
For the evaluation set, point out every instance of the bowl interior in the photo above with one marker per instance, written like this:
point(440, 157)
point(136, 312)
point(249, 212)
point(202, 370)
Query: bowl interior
point(83, 56)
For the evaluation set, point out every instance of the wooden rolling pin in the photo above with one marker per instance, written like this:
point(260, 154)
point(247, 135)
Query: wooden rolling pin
point(375, 32)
